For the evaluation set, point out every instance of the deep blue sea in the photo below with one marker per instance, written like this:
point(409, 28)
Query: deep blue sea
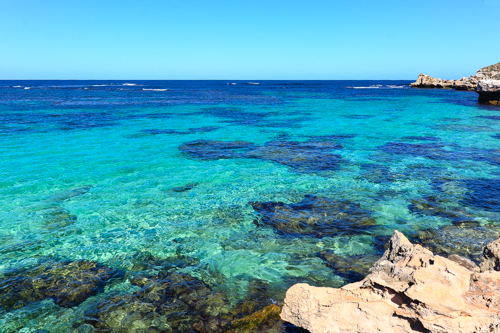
point(184, 206)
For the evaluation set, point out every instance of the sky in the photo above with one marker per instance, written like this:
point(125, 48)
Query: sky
point(247, 39)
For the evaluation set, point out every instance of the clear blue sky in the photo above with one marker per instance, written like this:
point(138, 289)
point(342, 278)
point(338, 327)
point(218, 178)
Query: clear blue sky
point(247, 39)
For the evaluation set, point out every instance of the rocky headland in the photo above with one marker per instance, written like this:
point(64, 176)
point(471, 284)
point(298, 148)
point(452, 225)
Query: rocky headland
point(486, 82)
point(409, 289)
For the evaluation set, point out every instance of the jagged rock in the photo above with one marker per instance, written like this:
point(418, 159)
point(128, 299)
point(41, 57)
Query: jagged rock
point(409, 290)
point(491, 257)
point(427, 81)
point(489, 91)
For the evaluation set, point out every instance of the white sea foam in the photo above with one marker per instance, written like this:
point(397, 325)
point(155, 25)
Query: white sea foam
point(154, 89)
point(253, 83)
point(17, 86)
point(378, 86)
point(27, 88)
point(100, 85)
point(129, 84)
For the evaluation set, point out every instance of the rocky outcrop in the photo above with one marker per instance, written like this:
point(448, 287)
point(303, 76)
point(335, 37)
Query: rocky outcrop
point(427, 81)
point(408, 290)
point(486, 73)
point(489, 91)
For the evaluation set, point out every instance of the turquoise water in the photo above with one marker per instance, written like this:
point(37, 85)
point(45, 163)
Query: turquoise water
point(106, 171)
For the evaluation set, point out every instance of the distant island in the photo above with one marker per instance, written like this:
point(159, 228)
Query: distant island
point(486, 82)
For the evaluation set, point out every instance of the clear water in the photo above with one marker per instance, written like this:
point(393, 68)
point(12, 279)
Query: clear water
point(108, 153)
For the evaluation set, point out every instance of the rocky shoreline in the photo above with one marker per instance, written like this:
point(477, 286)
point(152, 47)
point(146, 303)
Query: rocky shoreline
point(409, 289)
point(486, 82)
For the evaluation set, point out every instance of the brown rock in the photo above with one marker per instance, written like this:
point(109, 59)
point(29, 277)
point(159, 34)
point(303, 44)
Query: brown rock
point(409, 290)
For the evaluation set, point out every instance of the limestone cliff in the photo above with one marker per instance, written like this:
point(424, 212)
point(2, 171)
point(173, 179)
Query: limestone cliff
point(408, 290)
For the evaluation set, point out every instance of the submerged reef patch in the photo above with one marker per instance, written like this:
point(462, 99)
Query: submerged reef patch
point(378, 174)
point(358, 116)
point(215, 150)
point(144, 260)
point(309, 156)
point(332, 137)
point(431, 206)
point(178, 302)
point(236, 116)
point(421, 138)
point(465, 241)
point(352, 268)
point(67, 283)
point(314, 216)
point(429, 150)
point(437, 151)
point(153, 131)
point(483, 194)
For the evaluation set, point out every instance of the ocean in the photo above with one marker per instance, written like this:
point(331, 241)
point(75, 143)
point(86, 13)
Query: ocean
point(190, 206)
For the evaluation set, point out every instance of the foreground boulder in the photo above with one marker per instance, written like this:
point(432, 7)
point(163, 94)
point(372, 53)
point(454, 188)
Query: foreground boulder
point(409, 290)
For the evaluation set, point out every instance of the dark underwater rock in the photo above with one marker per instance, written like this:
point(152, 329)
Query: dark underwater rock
point(351, 268)
point(432, 206)
point(173, 302)
point(314, 216)
point(379, 174)
point(13, 250)
point(331, 137)
point(185, 188)
point(58, 217)
point(307, 156)
point(437, 151)
point(67, 283)
point(237, 116)
point(205, 129)
point(214, 150)
point(483, 194)
point(69, 194)
point(433, 151)
point(142, 261)
point(463, 128)
point(358, 116)
point(465, 241)
point(266, 320)
point(490, 117)
point(421, 138)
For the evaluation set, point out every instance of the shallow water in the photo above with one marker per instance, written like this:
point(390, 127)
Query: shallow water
point(245, 188)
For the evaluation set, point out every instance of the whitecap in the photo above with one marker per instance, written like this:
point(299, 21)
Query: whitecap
point(27, 88)
point(129, 84)
point(154, 89)
point(17, 86)
point(100, 85)
point(370, 87)
point(253, 83)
